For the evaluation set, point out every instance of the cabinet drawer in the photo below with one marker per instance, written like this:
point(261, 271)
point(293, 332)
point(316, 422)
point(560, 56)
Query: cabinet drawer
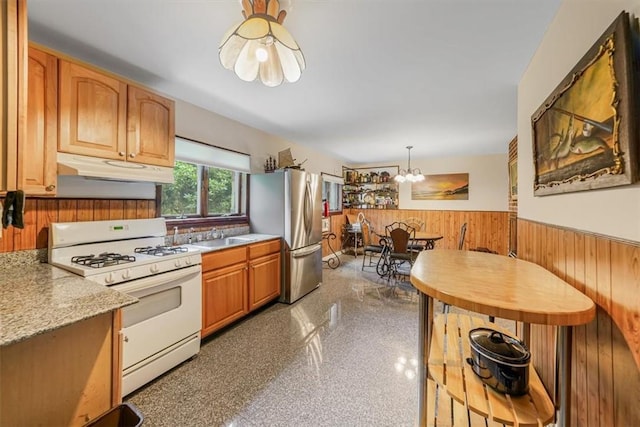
point(218, 259)
point(264, 248)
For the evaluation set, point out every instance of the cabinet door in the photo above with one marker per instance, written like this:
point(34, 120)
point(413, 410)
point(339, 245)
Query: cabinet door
point(264, 280)
point(13, 39)
point(92, 113)
point(224, 297)
point(38, 150)
point(60, 378)
point(150, 128)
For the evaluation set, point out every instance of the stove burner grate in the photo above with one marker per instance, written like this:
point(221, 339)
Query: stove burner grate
point(102, 260)
point(160, 250)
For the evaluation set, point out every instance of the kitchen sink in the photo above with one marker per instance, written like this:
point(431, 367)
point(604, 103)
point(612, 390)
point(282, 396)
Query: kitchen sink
point(227, 241)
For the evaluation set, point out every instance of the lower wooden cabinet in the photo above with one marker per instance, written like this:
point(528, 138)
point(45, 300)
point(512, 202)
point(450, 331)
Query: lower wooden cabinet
point(65, 377)
point(238, 280)
point(224, 297)
point(264, 280)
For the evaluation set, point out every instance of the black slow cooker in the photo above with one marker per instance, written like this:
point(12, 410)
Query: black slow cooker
point(501, 361)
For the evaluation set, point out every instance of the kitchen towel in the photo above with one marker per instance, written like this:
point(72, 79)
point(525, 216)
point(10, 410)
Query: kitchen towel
point(13, 212)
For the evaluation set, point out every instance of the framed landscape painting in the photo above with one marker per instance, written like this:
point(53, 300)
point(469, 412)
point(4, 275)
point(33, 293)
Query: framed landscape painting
point(585, 134)
point(450, 186)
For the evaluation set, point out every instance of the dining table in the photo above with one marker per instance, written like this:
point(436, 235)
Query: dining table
point(428, 237)
point(503, 287)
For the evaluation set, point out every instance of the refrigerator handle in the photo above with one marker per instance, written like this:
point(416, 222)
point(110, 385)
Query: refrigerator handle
point(308, 214)
point(306, 252)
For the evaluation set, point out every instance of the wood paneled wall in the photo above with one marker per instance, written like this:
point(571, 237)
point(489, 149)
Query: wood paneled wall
point(605, 360)
point(39, 213)
point(484, 229)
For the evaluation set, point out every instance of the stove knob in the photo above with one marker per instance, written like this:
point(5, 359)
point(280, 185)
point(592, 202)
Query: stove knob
point(188, 260)
point(178, 264)
point(154, 268)
point(108, 278)
point(126, 274)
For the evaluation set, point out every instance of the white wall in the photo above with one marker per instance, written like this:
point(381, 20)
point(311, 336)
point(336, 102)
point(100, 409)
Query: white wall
point(205, 126)
point(615, 211)
point(488, 182)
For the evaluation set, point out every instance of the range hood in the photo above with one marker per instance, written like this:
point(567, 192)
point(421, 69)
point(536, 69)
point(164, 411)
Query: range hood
point(115, 170)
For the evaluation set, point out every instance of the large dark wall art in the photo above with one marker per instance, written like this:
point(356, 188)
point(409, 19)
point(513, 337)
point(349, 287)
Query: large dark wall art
point(585, 135)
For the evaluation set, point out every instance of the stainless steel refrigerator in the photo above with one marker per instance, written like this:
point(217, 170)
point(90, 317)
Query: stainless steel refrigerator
point(289, 203)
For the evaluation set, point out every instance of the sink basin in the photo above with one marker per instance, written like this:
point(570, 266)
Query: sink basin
point(227, 241)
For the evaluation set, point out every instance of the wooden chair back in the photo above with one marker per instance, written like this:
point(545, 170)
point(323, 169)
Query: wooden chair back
point(416, 223)
point(365, 226)
point(463, 231)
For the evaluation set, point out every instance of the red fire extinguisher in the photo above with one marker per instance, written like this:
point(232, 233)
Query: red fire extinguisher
point(325, 208)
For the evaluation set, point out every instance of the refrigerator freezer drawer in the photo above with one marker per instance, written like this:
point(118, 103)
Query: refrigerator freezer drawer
point(303, 273)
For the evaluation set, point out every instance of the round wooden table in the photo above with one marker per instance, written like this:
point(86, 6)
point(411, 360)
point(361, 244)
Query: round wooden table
point(428, 237)
point(498, 286)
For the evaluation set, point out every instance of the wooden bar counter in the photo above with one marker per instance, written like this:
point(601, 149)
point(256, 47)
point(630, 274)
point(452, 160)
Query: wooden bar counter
point(499, 286)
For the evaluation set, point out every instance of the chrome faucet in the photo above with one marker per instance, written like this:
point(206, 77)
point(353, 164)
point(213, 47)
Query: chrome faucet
point(190, 238)
point(175, 234)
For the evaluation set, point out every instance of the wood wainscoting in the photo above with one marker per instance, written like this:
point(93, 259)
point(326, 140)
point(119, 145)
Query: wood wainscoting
point(485, 229)
point(605, 359)
point(39, 213)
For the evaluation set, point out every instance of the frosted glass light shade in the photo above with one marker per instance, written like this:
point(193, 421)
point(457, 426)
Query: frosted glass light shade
point(243, 47)
point(410, 175)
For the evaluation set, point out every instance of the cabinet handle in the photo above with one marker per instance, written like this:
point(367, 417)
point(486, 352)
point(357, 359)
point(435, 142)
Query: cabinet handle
point(132, 155)
point(50, 187)
point(121, 153)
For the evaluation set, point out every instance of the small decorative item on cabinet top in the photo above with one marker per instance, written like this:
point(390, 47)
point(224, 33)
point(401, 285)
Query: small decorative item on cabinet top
point(270, 164)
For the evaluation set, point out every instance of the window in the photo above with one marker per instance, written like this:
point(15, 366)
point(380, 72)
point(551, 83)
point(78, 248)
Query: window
point(209, 183)
point(332, 191)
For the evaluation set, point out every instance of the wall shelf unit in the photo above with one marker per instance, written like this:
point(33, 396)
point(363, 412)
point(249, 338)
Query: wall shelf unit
point(370, 188)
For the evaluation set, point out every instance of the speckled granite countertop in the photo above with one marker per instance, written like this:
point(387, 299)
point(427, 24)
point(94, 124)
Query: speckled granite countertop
point(36, 298)
point(231, 241)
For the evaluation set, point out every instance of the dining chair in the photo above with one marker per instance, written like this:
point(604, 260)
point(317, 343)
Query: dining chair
point(418, 225)
point(400, 235)
point(369, 247)
point(463, 232)
point(461, 236)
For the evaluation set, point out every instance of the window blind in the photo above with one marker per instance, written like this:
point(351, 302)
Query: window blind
point(208, 155)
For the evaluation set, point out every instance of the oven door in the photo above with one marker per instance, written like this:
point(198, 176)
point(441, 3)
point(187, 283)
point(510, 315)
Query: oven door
point(168, 311)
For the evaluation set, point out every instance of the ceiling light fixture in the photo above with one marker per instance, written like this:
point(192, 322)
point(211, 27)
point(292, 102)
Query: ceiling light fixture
point(411, 175)
point(260, 47)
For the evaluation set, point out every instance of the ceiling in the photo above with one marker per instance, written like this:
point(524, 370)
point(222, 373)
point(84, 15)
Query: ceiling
point(440, 75)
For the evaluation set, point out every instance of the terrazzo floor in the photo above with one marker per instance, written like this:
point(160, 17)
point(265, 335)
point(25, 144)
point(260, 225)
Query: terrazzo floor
point(344, 355)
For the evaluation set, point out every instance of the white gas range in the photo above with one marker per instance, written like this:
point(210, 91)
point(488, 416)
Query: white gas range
point(163, 328)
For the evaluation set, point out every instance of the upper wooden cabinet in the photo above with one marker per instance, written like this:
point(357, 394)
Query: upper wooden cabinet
point(37, 152)
point(92, 113)
point(150, 128)
point(13, 39)
point(101, 116)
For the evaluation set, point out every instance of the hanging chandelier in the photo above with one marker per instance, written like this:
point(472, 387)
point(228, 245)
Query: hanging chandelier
point(410, 175)
point(260, 47)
